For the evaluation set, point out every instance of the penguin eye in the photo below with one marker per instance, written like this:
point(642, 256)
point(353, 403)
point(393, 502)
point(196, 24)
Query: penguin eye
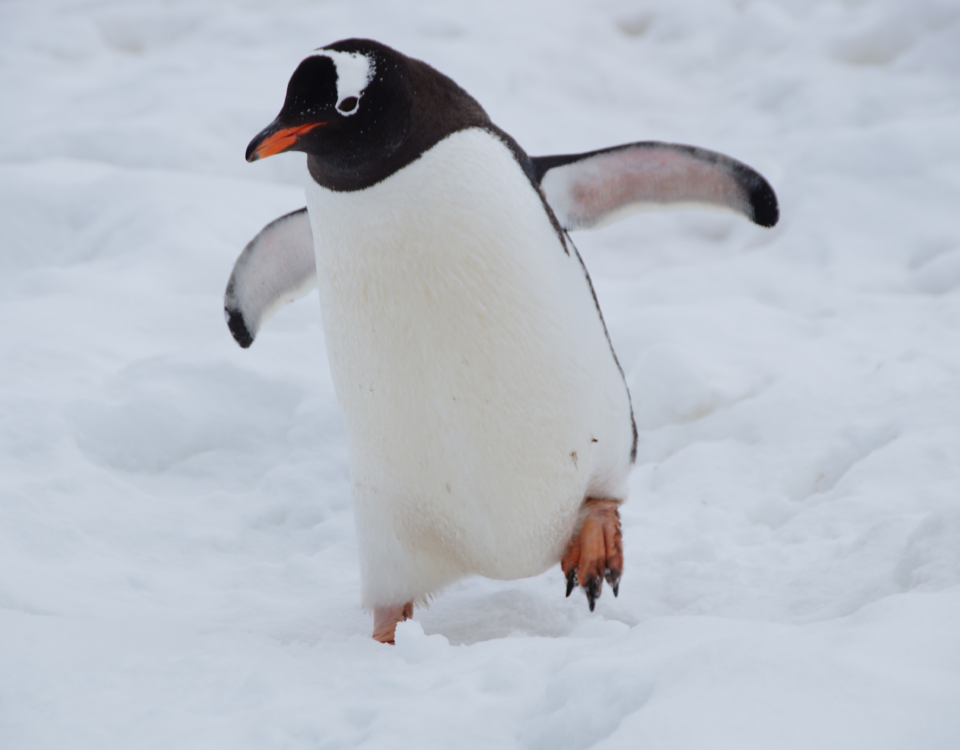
point(348, 105)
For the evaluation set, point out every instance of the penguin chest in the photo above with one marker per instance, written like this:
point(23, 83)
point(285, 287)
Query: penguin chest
point(480, 397)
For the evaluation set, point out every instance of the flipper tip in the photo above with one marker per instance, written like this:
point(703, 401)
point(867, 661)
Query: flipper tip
point(238, 327)
point(763, 201)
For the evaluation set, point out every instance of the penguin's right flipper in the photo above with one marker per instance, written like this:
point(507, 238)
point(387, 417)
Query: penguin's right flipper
point(276, 268)
point(592, 189)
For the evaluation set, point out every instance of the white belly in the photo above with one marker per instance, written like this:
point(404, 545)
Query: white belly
point(481, 400)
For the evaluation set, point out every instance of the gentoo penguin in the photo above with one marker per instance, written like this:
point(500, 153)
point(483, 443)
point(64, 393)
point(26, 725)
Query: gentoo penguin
point(489, 427)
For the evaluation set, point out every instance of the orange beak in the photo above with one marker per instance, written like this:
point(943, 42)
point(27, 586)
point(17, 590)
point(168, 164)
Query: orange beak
point(270, 141)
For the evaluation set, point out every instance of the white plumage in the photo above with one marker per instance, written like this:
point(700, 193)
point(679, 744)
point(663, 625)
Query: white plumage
point(480, 395)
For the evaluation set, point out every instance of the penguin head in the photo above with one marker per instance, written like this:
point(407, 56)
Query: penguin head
point(361, 111)
point(343, 102)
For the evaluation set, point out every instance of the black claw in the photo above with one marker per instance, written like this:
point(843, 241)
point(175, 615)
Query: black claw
point(571, 580)
point(594, 586)
point(613, 578)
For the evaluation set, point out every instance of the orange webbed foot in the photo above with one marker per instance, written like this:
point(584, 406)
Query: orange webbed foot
point(596, 550)
point(385, 621)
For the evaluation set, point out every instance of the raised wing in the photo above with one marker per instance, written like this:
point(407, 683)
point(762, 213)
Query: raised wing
point(589, 190)
point(276, 268)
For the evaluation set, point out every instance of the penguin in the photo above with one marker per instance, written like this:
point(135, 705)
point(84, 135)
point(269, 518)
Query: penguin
point(489, 426)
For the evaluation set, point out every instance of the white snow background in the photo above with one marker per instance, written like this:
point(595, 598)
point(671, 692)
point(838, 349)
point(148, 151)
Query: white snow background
point(177, 554)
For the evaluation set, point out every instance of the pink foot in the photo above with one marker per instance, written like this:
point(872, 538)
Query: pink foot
point(595, 550)
point(385, 620)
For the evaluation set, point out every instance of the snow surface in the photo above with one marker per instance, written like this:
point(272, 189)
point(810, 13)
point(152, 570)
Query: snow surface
point(177, 555)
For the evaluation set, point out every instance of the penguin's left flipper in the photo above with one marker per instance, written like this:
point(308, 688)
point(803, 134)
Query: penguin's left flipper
point(592, 189)
point(276, 268)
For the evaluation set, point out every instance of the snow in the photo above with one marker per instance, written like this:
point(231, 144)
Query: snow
point(177, 555)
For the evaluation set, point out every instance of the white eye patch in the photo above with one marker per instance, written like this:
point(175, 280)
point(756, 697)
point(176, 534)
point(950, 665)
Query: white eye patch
point(354, 72)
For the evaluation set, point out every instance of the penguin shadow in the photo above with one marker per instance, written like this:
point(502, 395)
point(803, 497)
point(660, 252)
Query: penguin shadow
point(481, 613)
